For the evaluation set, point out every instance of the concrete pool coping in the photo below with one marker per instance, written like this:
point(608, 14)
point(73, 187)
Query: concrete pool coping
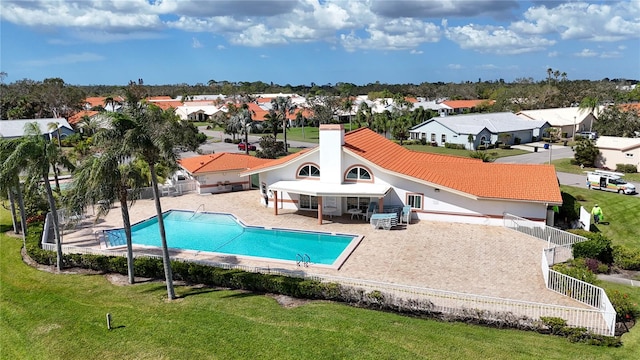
point(336, 264)
point(474, 259)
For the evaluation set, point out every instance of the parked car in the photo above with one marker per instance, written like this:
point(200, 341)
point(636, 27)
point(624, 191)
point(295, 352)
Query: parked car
point(243, 146)
point(589, 135)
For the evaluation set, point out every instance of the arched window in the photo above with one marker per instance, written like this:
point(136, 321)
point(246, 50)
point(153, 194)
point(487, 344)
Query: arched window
point(357, 173)
point(308, 170)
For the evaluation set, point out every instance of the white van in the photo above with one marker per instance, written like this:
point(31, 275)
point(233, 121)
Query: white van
point(610, 181)
point(589, 135)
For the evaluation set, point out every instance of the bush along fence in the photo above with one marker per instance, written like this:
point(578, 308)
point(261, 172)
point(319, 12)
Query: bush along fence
point(414, 301)
point(561, 242)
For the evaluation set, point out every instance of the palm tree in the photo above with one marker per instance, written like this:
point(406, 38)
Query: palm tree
point(589, 105)
point(10, 180)
point(282, 106)
point(38, 154)
point(55, 126)
point(273, 119)
point(151, 134)
point(245, 121)
point(105, 178)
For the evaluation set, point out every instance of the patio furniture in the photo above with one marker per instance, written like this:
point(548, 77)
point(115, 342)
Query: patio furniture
point(355, 212)
point(383, 221)
point(370, 210)
point(406, 214)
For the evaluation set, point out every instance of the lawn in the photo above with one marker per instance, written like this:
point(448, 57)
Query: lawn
point(495, 153)
point(621, 214)
point(564, 165)
point(44, 315)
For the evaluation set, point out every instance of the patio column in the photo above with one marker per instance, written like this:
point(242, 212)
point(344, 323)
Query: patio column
point(319, 210)
point(275, 202)
point(380, 205)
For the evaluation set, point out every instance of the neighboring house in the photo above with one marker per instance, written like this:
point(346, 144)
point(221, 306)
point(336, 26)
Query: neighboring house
point(99, 101)
point(348, 171)
point(216, 173)
point(570, 121)
point(77, 117)
point(442, 108)
point(618, 150)
point(15, 128)
point(465, 106)
point(196, 112)
point(486, 128)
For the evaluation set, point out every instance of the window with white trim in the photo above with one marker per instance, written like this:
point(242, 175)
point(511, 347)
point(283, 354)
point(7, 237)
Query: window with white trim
point(309, 170)
point(308, 202)
point(358, 173)
point(444, 138)
point(415, 201)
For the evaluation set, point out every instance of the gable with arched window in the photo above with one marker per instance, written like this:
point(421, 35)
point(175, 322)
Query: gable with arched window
point(358, 173)
point(308, 170)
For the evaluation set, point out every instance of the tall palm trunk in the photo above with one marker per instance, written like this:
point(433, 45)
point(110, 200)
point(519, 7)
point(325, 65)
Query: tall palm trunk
point(54, 216)
point(23, 213)
point(12, 208)
point(126, 221)
point(166, 261)
point(284, 132)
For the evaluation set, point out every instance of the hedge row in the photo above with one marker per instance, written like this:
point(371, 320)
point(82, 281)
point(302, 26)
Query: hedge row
point(291, 286)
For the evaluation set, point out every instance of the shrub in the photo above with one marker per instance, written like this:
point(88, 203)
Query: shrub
point(626, 310)
point(577, 269)
point(454, 146)
point(626, 258)
point(228, 140)
point(626, 168)
point(482, 147)
point(597, 247)
point(423, 141)
point(516, 141)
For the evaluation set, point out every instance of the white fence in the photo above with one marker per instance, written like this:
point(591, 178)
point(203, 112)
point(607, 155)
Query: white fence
point(560, 242)
point(167, 190)
point(426, 299)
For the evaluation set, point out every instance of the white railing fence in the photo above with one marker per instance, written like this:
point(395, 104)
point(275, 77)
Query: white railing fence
point(541, 231)
point(433, 300)
point(559, 247)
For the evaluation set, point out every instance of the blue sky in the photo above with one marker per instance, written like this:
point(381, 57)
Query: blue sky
point(300, 42)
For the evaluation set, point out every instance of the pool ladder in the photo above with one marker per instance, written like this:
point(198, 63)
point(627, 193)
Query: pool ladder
point(303, 259)
point(196, 212)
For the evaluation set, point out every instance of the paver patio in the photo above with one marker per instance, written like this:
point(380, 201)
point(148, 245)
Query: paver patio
point(475, 259)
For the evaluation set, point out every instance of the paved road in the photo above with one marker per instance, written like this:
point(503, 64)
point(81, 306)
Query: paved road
point(542, 157)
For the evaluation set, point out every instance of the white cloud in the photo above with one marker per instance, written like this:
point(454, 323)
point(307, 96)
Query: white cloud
point(552, 54)
point(354, 24)
point(495, 39)
point(610, 54)
point(220, 47)
point(65, 59)
point(586, 53)
point(416, 52)
point(454, 66)
point(487, 67)
point(610, 21)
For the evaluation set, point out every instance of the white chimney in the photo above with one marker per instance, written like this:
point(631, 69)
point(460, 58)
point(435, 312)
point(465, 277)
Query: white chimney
point(331, 141)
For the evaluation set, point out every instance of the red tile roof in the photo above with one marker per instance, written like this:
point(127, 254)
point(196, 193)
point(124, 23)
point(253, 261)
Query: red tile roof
point(257, 113)
point(467, 104)
point(75, 118)
point(220, 162)
point(525, 182)
point(95, 101)
point(471, 176)
point(164, 105)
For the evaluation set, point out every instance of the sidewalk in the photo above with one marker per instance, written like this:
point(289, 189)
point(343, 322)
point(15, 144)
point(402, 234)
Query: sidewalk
point(618, 280)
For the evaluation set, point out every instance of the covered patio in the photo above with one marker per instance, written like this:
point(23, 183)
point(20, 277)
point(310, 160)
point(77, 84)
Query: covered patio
point(327, 194)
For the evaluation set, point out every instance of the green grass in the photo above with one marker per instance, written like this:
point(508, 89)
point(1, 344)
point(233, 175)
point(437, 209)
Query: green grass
point(44, 315)
point(495, 153)
point(564, 165)
point(621, 214)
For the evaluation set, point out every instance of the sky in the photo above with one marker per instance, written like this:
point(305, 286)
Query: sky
point(300, 42)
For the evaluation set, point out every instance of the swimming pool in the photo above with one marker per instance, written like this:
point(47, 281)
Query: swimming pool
point(224, 233)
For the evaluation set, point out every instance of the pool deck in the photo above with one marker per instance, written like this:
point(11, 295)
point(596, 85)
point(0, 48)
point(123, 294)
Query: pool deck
point(474, 259)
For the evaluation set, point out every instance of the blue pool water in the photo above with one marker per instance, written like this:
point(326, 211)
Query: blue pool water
point(223, 233)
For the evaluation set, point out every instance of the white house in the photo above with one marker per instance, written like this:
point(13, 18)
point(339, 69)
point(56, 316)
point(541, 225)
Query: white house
point(15, 128)
point(570, 121)
point(484, 128)
point(216, 173)
point(349, 171)
point(618, 150)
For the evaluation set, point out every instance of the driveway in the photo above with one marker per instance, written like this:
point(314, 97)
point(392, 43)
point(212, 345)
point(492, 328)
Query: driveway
point(542, 157)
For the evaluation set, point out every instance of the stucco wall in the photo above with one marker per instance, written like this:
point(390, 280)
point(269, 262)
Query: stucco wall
point(610, 157)
point(221, 182)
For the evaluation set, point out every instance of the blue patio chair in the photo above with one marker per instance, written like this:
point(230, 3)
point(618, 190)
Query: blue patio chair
point(406, 215)
point(371, 210)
